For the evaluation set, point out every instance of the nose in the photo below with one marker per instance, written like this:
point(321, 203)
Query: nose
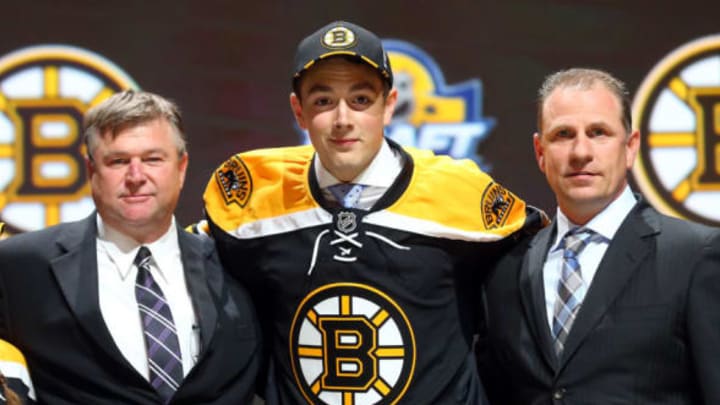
point(342, 116)
point(135, 173)
point(581, 151)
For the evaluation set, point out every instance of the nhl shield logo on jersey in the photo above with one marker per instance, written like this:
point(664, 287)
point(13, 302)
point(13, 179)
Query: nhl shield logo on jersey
point(351, 344)
point(44, 92)
point(346, 221)
point(235, 181)
point(496, 204)
point(677, 110)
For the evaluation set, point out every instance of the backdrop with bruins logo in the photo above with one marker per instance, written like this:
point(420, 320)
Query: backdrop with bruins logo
point(467, 72)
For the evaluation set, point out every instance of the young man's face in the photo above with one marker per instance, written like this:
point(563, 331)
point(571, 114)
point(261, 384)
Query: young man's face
point(344, 111)
point(584, 149)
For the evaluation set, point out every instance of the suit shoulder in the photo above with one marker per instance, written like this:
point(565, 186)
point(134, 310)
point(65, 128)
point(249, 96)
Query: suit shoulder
point(681, 230)
point(37, 241)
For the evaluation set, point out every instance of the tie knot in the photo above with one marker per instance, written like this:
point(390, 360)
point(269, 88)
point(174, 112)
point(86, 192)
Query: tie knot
point(576, 240)
point(143, 257)
point(347, 194)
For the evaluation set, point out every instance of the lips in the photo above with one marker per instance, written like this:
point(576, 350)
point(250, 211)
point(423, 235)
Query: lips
point(581, 176)
point(136, 198)
point(343, 142)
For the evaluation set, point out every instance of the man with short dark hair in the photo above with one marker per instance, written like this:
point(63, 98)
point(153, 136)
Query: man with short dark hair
point(363, 256)
point(124, 306)
point(613, 303)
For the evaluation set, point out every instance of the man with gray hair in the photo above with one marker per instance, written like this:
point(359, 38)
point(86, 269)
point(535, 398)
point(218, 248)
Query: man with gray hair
point(123, 306)
point(613, 303)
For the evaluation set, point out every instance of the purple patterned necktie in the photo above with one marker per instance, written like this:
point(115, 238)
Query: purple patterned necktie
point(161, 341)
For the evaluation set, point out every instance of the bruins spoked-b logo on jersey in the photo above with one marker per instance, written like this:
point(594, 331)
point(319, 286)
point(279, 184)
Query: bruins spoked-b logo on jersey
point(677, 110)
point(351, 344)
point(44, 92)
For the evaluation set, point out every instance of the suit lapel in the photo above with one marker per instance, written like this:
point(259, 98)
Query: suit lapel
point(195, 257)
point(621, 260)
point(532, 293)
point(76, 272)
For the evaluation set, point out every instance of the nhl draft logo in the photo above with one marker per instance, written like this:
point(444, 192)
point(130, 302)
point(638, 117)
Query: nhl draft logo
point(431, 114)
point(351, 344)
point(44, 92)
point(677, 110)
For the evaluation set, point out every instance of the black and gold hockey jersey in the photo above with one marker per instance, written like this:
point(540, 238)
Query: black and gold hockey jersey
point(15, 384)
point(362, 307)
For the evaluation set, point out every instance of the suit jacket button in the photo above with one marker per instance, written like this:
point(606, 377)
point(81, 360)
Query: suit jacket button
point(559, 394)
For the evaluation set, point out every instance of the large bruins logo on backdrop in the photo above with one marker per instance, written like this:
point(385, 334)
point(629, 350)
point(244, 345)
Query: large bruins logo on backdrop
point(677, 109)
point(44, 92)
point(351, 344)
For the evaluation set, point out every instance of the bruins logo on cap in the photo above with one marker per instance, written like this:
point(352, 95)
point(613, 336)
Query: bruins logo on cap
point(339, 38)
point(44, 92)
point(235, 181)
point(496, 204)
point(351, 344)
point(677, 110)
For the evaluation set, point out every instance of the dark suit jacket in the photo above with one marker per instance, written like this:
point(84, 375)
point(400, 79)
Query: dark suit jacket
point(49, 309)
point(648, 331)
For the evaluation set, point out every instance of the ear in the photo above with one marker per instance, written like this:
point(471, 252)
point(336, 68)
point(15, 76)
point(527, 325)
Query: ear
point(633, 144)
point(89, 166)
point(296, 107)
point(539, 152)
point(390, 102)
point(182, 167)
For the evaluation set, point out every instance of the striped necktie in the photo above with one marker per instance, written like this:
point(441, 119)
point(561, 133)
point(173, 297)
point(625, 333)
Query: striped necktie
point(347, 194)
point(161, 341)
point(571, 287)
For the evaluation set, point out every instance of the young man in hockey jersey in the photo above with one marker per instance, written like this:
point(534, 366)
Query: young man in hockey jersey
point(364, 257)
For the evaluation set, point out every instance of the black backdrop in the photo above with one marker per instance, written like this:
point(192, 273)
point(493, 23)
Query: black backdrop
point(227, 63)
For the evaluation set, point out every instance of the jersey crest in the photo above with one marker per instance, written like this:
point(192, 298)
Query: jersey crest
point(351, 344)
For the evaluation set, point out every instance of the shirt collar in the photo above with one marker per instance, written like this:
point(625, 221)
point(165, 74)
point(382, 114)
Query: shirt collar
point(605, 223)
point(382, 171)
point(122, 249)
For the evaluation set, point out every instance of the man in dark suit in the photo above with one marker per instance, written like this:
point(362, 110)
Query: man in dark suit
point(613, 303)
point(124, 306)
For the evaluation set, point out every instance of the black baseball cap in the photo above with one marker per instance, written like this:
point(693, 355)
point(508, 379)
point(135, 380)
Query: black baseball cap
point(342, 38)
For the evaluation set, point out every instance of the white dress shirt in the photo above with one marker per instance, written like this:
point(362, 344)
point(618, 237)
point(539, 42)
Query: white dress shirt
point(116, 289)
point(606, 223)
point(377, 177)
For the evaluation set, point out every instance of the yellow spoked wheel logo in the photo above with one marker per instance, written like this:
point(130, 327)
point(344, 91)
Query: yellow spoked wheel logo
point(44, 92)
point(677, 110)
point(351, 344)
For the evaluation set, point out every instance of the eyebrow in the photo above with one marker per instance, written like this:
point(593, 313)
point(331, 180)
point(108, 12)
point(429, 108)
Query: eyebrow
point(119, 152)
point(318, 88)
